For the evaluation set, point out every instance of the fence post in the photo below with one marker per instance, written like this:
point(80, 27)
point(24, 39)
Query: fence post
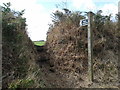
point(90, 47)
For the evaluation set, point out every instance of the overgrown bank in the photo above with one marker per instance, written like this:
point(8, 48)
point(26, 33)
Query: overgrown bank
point(19, 68)
point(67, 46)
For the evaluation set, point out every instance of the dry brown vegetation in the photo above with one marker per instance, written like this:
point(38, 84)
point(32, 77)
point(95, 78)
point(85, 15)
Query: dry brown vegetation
point(67, 46)
point(63, 61)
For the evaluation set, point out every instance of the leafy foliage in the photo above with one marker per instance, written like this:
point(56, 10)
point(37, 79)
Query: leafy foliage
point(100, 20)
point(16, 45)
point(11, 21)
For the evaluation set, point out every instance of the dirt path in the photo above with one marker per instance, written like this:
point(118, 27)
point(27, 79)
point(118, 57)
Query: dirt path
point(49, 75)
point(55, 79)
point(52, 77)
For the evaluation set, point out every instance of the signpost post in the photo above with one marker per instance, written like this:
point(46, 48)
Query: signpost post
point(90, 47)
point(88, 22)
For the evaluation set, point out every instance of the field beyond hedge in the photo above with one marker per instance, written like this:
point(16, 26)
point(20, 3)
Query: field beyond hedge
point(39, 43)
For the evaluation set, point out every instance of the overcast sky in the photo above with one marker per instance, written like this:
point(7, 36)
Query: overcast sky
point(38, 12)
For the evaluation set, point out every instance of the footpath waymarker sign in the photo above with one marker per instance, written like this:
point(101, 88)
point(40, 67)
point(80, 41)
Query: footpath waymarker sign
point(84, 22)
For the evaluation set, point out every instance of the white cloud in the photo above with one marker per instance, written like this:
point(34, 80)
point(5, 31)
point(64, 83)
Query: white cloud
point(86, 5)
point(119, 6)
point(37, 18)
point(89, 5)
point(108, 1)
point(110, 9)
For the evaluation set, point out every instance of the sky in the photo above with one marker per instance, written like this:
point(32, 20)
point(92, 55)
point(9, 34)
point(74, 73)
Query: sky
point(38, 12)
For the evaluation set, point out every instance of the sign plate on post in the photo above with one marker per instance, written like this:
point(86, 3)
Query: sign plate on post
point(84, 22)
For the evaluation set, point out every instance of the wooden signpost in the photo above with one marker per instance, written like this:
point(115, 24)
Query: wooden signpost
point(90, 47)
point(88, 22)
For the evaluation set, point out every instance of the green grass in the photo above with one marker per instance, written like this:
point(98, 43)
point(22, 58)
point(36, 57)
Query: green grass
point(39, 43)
point(22, 83)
